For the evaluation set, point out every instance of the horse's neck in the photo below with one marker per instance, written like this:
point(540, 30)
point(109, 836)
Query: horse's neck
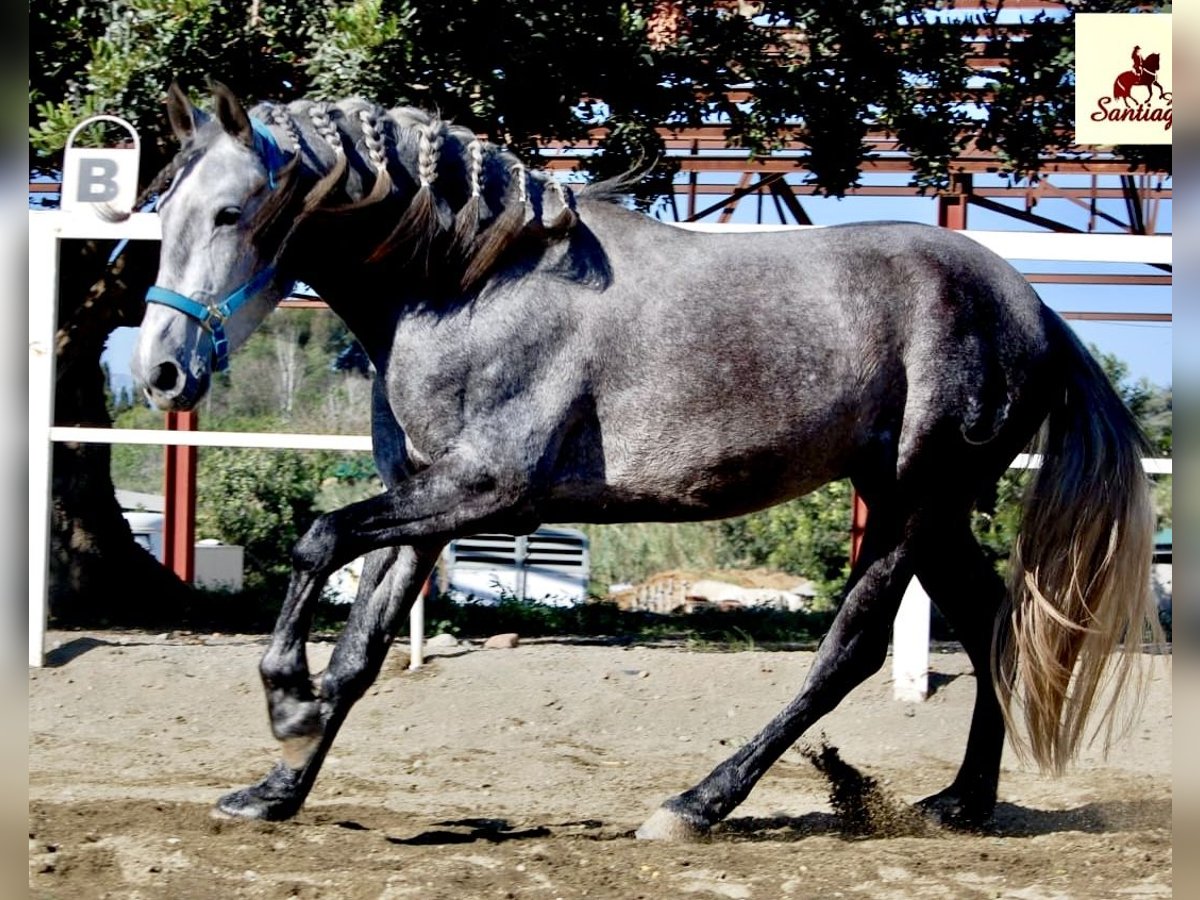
point(369, 309)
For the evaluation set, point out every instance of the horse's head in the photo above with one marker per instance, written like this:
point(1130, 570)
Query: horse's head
point(215, 285)
point(1151, 63)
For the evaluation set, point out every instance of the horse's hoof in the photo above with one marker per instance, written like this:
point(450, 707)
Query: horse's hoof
point(249, 804)
point(949, 809)
point(228, 812)
point(275, 798)
point(665, 825)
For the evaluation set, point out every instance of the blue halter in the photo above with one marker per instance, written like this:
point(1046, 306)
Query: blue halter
point(213, 315)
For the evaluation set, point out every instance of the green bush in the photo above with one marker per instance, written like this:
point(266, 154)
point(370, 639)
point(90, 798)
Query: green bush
point(262, 500)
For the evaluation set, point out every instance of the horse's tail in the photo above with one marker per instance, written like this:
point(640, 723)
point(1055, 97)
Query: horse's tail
point(1079, 580)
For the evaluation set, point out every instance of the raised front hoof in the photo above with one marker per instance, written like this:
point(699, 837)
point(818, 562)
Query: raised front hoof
point(951, 809)
point(667, 825)
point(273, 799)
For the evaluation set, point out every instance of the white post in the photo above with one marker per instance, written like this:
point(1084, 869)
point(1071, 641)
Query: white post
point(910, 646)
point(416, 633)
point(43, 304)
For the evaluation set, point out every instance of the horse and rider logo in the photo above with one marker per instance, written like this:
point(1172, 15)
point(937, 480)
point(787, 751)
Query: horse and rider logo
point(1122, 79)
point(1143, 74)
point(1128, 87)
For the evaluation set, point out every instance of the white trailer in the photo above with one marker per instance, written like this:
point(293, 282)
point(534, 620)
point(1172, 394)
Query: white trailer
point(551, 565)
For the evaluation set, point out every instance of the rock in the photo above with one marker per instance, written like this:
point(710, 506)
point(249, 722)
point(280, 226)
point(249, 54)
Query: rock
point(501, 641)
point(442, 642)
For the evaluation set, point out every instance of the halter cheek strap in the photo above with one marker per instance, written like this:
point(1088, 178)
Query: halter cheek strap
point(213, 315)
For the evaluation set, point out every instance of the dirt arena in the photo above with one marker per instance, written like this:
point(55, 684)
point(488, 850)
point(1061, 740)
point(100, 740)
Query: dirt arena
point(522, 773)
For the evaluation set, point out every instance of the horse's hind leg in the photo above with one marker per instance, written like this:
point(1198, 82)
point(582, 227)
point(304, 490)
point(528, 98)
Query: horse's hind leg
point(855, 647)
point(969, 592)
point(306, 717)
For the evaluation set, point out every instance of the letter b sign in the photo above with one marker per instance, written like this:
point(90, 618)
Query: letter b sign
point(97, 180)
point(106, 175)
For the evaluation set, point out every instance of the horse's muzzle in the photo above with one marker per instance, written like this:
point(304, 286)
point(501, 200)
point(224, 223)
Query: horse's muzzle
point(168, 387)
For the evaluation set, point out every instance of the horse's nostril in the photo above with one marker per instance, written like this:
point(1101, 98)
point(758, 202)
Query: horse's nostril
point(164, 377)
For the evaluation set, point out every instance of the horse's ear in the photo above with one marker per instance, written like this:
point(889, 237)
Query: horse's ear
point(183, 116)
point(230, 113)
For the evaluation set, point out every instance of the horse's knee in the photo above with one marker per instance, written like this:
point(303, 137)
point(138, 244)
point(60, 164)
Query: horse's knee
point(316, 548)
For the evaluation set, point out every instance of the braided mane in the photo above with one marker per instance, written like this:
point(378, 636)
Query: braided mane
point(438, 196)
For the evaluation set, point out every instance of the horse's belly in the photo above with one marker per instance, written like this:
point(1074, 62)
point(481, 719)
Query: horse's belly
point(695, 473)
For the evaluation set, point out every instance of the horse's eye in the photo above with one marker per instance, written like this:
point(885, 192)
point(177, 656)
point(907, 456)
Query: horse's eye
point(230, 215)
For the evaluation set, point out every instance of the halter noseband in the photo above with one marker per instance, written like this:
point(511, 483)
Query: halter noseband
point(212, 315)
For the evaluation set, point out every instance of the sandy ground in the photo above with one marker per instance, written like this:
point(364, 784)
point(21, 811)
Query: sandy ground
point(522, 773)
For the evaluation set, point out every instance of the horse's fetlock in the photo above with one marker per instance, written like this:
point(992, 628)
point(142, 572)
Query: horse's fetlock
point(280, 672)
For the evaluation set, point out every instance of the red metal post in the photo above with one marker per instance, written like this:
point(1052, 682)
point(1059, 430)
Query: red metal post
point(179, 501)
point(858, 525)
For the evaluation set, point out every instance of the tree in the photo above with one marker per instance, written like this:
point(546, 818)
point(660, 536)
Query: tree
point(523, 72)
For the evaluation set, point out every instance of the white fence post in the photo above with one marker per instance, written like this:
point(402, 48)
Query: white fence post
point(416, 632)
point(43, 305)
point(910, 646)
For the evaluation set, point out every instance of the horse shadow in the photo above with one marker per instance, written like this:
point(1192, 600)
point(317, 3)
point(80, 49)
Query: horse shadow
point(938, 680)
point(491, 831)
point(469, 831)
point(1011, 820)
point(71, 651)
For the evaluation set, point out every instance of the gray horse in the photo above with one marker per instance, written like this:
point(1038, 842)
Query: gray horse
point(545, 359)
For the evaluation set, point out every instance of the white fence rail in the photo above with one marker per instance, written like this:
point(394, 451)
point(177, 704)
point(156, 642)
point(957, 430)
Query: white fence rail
point(46, 229)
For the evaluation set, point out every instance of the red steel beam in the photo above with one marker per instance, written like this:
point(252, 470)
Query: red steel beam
point(1098, 278)
point(1054, 192)
point(1081, 316)
point(900, 164)
point(1074, 194)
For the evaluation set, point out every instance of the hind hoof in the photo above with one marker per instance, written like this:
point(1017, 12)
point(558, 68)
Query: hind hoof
point(246, 804)
point(665, 825)
point(949, 809)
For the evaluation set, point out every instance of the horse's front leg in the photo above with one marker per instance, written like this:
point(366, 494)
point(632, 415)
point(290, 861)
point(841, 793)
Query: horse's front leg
point(419, 513)
point(305, 717)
